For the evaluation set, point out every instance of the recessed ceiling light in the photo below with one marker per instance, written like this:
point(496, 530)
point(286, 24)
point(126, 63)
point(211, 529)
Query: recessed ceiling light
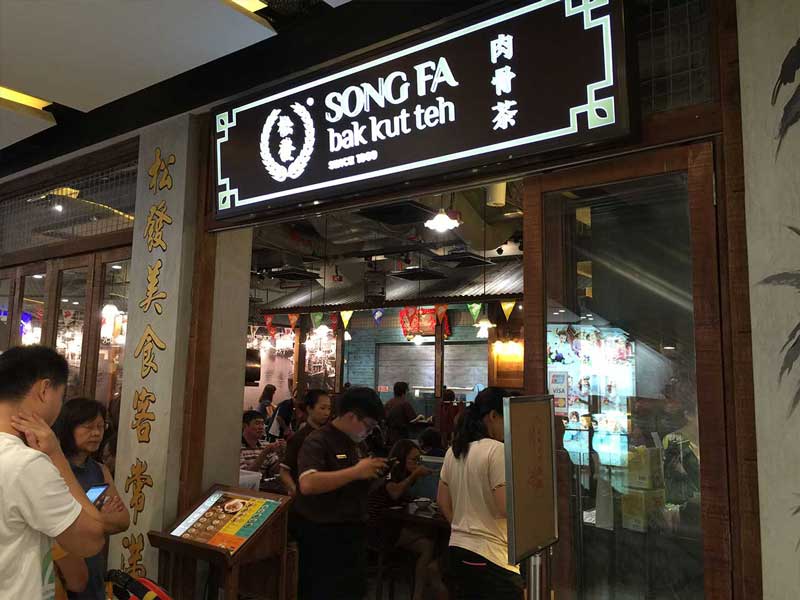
point(562, 311)
point(65, 299)
point(76, 303)
point(669, 347)
point(555, 314)
point(116, 267)
point(24, 99)
point(38, 276)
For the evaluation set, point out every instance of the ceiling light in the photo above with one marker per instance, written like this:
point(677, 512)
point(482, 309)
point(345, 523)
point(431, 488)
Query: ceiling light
point(37, 276)
point(250, 8)
point(669, 347)
point(562, 311)
point(76, 303)
point(116, 267)
point(442, 222)
point(251, 5)
point(58, 208)
point(24, 99)
point(65, 299)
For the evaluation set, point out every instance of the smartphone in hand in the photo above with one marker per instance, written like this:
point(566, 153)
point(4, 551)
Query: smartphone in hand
point(97, 494)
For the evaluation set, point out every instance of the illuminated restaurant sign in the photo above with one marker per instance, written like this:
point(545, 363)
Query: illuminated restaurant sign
point(546, 75)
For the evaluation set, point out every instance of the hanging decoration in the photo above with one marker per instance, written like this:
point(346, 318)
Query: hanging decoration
point(268, 321)
point(475, 310)
point(484, 325)
point(441, 311)
point(377, 314)
point(272, 331)
point(293, 318)
point(346, 315)
point(422, 321)
point(316, 318)
point(334, 319)
point(508, 307)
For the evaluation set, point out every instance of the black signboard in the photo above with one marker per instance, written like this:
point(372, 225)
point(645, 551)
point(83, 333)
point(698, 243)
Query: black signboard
point(544, 75)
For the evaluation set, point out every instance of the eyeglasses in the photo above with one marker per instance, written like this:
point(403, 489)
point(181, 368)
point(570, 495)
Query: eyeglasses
point(93, 427)
point(370, 424)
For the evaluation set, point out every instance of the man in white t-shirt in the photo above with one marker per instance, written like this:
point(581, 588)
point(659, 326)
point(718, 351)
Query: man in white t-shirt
point(40, 499)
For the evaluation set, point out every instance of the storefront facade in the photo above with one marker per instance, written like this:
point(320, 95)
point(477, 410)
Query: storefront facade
point(635, 245)
point(632, 262)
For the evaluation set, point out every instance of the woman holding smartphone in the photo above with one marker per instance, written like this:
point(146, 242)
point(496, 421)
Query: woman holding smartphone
point(80, 428)
point(472, 496)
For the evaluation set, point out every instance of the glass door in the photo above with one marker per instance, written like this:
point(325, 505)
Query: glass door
point(6, 301)
point(631, 348)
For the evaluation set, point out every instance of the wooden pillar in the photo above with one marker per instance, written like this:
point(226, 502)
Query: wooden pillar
point(339, 367)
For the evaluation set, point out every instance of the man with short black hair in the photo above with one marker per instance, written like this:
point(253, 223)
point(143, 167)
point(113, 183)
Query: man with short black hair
point(40, 498)
point(256, 454)
point(399, 414)
point(334, 479)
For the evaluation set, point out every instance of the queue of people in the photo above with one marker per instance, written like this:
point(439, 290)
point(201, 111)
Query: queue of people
point(53, 537)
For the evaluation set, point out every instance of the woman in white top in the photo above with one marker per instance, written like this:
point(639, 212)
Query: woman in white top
point(473, 499)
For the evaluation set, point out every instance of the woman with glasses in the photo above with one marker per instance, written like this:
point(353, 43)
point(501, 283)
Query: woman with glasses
point(80, 428)
point(405, 458)
point(472, 496)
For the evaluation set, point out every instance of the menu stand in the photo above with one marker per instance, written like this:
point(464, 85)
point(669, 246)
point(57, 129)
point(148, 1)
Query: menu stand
point(229, 529)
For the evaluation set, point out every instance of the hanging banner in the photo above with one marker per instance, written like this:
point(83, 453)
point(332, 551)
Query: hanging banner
point(316, 318)
point(377, 314)
point(453, 98)
point(508, 307)
point(293, 318)
point(334, 321)
point(268, 321)
point(475, 311)
point(441, 311)
point(346, 315)
point(422, 321)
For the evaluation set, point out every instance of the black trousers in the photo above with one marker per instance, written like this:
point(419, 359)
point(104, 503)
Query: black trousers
point(472, 577)
point(333, 560)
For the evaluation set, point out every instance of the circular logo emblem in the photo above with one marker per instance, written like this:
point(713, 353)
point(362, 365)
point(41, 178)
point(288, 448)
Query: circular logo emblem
point(290, 163)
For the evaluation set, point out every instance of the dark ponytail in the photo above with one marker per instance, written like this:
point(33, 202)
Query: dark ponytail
point(470, 427)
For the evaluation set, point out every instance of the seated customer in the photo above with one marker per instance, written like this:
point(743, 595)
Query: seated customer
point(406, 470)
point(430, 441)
point(256, 454)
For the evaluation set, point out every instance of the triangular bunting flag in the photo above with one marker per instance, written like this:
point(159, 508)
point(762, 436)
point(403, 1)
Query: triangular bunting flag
point(508, 307)
point(377, 314)
point(346, 314)
point(293, 318)
point(334, 321)
point(475, 311)
point(316, 318)
point(268, 321)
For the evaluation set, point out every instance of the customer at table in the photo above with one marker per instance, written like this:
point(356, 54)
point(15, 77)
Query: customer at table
point(430, 442)
point(318, 407)
point(472, 496)
point(399, 414)
point(256, 453)
point(334, 474)
point(388, 533)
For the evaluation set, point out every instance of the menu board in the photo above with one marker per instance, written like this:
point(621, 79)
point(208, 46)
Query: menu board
point(530, 476)
point(226, 520)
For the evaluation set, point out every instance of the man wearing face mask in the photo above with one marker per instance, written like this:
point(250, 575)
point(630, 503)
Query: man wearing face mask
point(334, 478)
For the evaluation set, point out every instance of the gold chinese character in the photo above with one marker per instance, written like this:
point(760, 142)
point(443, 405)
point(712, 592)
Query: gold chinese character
point(153, 294)
point(160, 177)
point(146, 348)
point(142, 417)
point(138, 480)
point(157, 217)
point(134, 544)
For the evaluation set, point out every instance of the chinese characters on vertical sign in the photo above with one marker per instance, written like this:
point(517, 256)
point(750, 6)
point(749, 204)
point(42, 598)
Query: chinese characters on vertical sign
point(147, 351)
point(501, 50)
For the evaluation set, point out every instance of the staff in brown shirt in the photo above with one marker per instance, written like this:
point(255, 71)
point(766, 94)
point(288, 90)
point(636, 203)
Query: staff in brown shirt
point(334, 480)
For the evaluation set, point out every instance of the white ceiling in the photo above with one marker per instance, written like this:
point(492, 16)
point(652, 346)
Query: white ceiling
point(86, 53)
